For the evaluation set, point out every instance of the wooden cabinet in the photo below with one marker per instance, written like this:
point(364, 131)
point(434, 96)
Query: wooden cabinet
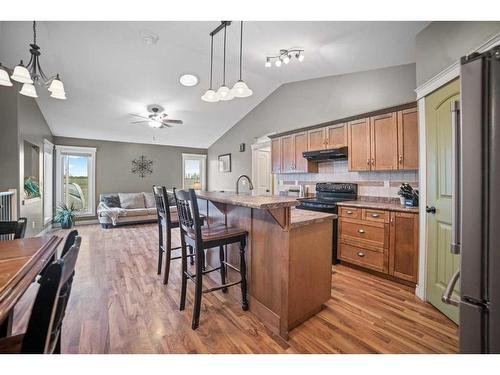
point(276, 155)
point(384, 142)
point(316, 139)
point(403, 257)
point(408, 139)
point(358, 143)
point(380, 240)
point(286, 154)
point(333, 136)
point(336, 136)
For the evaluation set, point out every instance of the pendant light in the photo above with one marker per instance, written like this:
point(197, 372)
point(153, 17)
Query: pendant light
point(28, 90)
point(21, 74)
point(240, 88)
point(4, 77)
point(223, 93)
point(210, 95)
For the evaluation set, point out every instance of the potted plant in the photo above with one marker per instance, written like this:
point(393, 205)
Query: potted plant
point(31, 188)
point(65, 215)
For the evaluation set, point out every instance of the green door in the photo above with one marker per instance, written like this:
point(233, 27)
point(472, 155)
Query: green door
point(441, 264)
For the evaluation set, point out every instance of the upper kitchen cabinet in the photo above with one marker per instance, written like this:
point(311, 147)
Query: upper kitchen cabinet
point(286, 154)
point(276, 155)
point(384, 142)
point(333, 136)
point(316, 139)
point(408, 139)
point(358, 145)
point(336, 136)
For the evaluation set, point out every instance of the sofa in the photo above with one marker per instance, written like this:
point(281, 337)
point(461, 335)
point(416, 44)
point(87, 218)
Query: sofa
point(128, 208)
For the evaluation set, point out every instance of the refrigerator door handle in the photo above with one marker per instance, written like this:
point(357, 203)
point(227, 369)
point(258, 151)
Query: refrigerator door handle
point(456, 147)
point(446, 297)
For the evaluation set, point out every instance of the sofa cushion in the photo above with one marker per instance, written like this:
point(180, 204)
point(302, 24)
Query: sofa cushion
point(149, 200)
point(111, 200)
point(131, 200)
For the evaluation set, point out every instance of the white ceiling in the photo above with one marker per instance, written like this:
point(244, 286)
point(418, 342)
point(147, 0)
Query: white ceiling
point(109, 72)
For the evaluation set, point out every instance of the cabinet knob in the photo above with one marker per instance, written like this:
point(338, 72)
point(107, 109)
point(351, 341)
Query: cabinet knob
point(360, 254)
point(373, 161)
point(400, 159)
point(361, 231)
point(367, 161)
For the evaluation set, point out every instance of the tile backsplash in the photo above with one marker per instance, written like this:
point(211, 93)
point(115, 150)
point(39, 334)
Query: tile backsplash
point(374, 184)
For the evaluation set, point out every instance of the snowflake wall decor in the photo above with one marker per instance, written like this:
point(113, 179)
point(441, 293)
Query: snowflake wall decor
point(142, 166)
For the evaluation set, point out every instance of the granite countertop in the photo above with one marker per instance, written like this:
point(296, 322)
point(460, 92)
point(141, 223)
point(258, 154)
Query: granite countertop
point(248, 200)
point(305, 217)
point(378, 205)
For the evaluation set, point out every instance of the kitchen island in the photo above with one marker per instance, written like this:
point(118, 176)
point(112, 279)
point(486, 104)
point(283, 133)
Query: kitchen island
point(288, 254)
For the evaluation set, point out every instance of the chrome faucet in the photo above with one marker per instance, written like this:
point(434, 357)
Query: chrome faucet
point(250, 185)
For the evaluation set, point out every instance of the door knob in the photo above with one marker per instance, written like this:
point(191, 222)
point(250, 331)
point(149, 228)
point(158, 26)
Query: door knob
point(430, 210)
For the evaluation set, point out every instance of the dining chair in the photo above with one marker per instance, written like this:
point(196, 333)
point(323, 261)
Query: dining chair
point(13, 230)
point(43, 335)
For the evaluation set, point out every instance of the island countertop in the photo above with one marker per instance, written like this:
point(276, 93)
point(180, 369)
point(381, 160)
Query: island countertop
point(248, 200)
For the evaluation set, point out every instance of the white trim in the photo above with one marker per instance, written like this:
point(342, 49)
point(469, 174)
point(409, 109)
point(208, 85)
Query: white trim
point(453, 71)
point(48, 148)
point(91, 189)
point(421, 287)
point(203, 159)
point(263, 142)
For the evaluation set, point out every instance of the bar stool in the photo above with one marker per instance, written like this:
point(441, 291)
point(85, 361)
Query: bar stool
point(166, 222)
point(192, 234)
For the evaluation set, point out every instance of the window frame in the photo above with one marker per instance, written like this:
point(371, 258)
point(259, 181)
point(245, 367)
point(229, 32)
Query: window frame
point(48, 181)
point(91, 187)
point(203, 159)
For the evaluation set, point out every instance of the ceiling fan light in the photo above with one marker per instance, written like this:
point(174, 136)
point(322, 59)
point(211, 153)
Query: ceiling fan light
point(224, 94)
point(300, 57)
point(28, 90)
point(155, 124)
point(58, 95)
point(241, 90)
point(210, 96)
point(21, 74)
point(286, 59)
point(4, 78)
point(277, 63)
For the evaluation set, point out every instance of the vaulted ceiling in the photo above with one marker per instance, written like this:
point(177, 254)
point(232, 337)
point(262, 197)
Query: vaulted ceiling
point(109, 71)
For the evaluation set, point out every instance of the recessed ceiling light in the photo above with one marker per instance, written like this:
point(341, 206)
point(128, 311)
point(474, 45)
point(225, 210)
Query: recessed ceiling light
point(149, 37)
point(188, 80)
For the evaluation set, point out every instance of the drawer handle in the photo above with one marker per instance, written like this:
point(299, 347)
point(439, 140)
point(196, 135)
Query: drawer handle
point(349, 212)
point(375, 215)
point(361, 231)
point(360, 254)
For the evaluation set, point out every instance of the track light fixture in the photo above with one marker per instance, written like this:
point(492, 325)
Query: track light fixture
point(285, 56)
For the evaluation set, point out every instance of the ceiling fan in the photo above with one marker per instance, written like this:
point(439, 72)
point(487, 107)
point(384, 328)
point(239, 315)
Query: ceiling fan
point(156, 118)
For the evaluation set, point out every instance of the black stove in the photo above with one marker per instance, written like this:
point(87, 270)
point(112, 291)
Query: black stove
point(327, 196)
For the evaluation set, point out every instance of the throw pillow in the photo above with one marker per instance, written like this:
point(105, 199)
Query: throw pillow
point(149, 199)
point(132, 200)
point(111, 200)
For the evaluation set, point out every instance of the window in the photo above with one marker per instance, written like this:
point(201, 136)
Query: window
point(48, 175)
point(75, 179)
point(194, 171)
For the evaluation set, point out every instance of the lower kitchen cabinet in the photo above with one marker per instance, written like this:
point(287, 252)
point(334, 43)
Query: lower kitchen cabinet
point(380, 240)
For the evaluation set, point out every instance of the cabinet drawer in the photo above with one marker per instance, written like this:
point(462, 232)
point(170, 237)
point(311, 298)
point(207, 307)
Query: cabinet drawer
point(353, 213)
point(362, 257)
point(364, 232)
point(379, 216)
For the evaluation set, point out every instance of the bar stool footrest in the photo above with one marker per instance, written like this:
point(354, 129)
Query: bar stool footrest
point(223, 286)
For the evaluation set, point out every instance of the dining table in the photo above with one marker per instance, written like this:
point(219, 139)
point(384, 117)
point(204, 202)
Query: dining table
point(21, 260)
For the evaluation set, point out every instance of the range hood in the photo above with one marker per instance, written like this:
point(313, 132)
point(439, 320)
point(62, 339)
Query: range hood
point(330, 154)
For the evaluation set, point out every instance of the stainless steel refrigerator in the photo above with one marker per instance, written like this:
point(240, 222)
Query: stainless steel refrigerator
point(476, 203)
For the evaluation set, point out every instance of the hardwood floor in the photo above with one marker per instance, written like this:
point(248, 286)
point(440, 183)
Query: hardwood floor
point(119, 305)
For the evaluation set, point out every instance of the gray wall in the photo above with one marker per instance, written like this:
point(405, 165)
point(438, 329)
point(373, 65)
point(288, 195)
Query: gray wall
point(441, 44)
point(113, 164)
point(9, 150)
point(298, 104)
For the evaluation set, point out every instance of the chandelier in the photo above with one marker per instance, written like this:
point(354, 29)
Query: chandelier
point(285, 56)
point(32, 74)
point(240, 89)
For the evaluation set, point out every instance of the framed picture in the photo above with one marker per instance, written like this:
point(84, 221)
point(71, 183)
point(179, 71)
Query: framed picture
point(225, 163)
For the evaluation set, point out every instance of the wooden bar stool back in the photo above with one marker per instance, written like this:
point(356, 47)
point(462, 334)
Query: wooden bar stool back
point(166, 222)
point(201, 238)
point(13, 230)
